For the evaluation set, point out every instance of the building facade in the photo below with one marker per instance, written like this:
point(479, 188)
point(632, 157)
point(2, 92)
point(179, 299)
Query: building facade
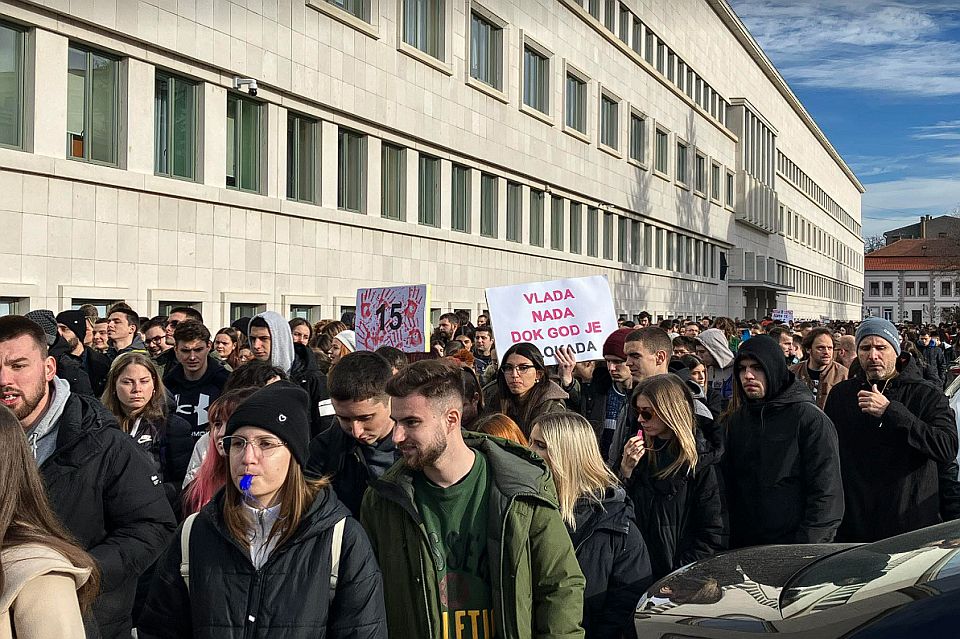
point(914, 280)
point(278, 154)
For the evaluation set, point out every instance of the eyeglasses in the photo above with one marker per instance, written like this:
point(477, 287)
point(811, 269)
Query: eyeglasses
point(263, 446)
point(155, 340)
point(646, 414)
point(173, 323)
point(509, 369)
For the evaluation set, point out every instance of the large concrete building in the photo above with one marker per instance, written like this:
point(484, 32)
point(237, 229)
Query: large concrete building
point(240, 155)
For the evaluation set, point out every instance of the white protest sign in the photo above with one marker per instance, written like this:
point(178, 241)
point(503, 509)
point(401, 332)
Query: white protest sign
point(393, 316)
point(782, 315)
point(575, 312)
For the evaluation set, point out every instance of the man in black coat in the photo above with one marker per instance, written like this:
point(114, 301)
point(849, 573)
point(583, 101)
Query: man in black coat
point(360, 447)
point(98, 482)
point(896, 431)
point(74, 327)
point(781, 463)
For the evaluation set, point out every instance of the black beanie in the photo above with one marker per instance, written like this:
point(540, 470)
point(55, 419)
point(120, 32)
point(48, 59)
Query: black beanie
point(283, 408)
point(76, 321)
point(767, 352)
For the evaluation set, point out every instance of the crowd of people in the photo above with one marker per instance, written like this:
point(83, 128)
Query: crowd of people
point(271, 479)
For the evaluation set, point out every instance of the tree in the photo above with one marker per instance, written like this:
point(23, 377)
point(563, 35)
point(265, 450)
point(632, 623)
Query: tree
point(873, 242)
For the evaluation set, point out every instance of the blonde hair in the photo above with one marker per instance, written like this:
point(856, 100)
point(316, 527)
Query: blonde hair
point(674, 406)
point(575, 461)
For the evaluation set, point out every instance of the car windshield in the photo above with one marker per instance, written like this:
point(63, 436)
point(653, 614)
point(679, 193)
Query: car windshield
point(871, 569)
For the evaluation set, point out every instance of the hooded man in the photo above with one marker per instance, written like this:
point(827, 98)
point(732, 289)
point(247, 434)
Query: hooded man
point(271, 340)
point(781, 465)
point(74, 328)
point(713, 349)
point(896, 431)
point(68, 368)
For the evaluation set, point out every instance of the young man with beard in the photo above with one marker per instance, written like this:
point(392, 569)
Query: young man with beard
point(74, 327)
point(360, 447)
point(781, 463)
point(467, 531)
point(483, 355)
point(98, 481)
point(897, 435)
point(197, 379)
point(821, 372)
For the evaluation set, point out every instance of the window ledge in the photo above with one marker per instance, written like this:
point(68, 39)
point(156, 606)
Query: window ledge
point(483, 87)
point(661, 175)
point(714, 200)
point(540, 115)
point(638, 164)
point(682, 185)
point(583, 137)
point(425, 58)
point(345, 17)
point(700, 194)
point(609, 150)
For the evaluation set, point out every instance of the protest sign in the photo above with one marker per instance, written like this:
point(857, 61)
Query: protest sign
point(575, 312)
point(395, 316)
point(782, 315)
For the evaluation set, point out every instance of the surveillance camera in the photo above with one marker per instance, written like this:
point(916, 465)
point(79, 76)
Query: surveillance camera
point(250, 83)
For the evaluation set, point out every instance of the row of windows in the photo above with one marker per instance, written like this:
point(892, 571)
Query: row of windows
point(802, 181)
point(915, 288)
point(758, 143)
point(799, 229)
point(814, 285)
point(625, 25)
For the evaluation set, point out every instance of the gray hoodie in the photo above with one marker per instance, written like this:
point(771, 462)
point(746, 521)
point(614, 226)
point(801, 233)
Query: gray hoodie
point(43, 436)
point(721, 373)
point(281, 339)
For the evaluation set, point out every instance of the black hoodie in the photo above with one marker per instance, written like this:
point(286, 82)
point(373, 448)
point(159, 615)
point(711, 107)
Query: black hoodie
point(781, 462)
point(890, 463)
point(193, 398)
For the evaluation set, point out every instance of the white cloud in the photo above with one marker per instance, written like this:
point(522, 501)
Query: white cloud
point(937, 136)
point(887, 205)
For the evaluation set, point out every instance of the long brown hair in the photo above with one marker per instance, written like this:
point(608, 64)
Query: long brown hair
point(296, 497)
point(25, 513)
point(523, 410)
point(155, 410)
point(674, 405)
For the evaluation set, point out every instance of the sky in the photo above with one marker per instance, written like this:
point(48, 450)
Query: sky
point(882, 80)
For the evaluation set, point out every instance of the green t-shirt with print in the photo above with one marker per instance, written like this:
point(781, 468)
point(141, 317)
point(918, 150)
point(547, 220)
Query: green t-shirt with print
point(456, 522)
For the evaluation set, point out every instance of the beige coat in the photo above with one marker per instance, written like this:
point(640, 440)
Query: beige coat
point(39, 596)
point(833, 374)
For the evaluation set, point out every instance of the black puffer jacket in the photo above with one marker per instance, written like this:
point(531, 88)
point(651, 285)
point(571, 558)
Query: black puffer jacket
point(289, 596)
point(681, 516)
point(170, 445)
point(306, 373)
point(781, 463)
point(101, 486)
point(890, 464)
point(614, 561)
point(69, 368)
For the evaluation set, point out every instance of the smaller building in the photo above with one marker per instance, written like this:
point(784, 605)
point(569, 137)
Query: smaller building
point(929, 227)
point(914, 280)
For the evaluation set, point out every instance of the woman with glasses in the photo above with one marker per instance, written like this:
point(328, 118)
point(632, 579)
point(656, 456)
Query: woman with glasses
point(670, 471)
point(275, 553)
point(523, 390)
point(600, 520)
point(46, 580)
point(136, 396)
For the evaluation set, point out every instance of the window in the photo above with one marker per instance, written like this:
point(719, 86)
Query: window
point(575, 115)
point(556, 223)
point(93, 104)
point(700, 174)
point(729, 191)
point(623, 225)
point(357, 8)
point(175, 126)
point(576, 222)
point(536, 217)
point(910, 289)
point(682, 150)
point(945, 289)
point(11, 87)
point(243, 143)
point(460, 204)
point(301, 158)
point(536, 80)
point(241, 309)
point(423, 23)
point(649, 241)
point(514, 211)
point(715, 181)
point(923, 288)
point(486, 51)
point(393, 180)
point(429, 191)
point(638, 138)
point(488, 205)
point(888, 288)
point(649, 46)
point(609, 116)
point(636, 239)
point(610, 15)
point(593, 6)
point(593, 221)
point(625, 24)
point(637, 44)
point(662, 159)
point(875, 289)
point(352, 179)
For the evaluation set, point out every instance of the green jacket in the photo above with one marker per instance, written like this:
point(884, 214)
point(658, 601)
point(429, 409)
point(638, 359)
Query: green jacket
point(536, 584)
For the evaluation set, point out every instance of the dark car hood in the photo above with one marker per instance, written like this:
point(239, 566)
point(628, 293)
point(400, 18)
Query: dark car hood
point(748, 581)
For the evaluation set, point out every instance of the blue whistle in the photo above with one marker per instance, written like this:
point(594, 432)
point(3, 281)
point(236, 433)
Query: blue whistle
point(245, 482)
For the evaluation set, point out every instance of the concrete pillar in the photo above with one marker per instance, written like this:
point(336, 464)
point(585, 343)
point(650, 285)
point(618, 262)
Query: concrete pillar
point(213, 135)
point(137, 117)
point(374, 176)
point(329, 164)
point(45, 94)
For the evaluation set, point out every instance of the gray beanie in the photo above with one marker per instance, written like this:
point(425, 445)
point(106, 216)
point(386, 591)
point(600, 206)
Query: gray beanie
point(881, 328)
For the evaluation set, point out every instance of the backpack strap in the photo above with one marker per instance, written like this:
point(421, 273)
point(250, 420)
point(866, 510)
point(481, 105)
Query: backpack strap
point(336, 549)
point(185, 549)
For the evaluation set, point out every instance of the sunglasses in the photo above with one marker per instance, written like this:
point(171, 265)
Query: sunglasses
point(646, 414)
